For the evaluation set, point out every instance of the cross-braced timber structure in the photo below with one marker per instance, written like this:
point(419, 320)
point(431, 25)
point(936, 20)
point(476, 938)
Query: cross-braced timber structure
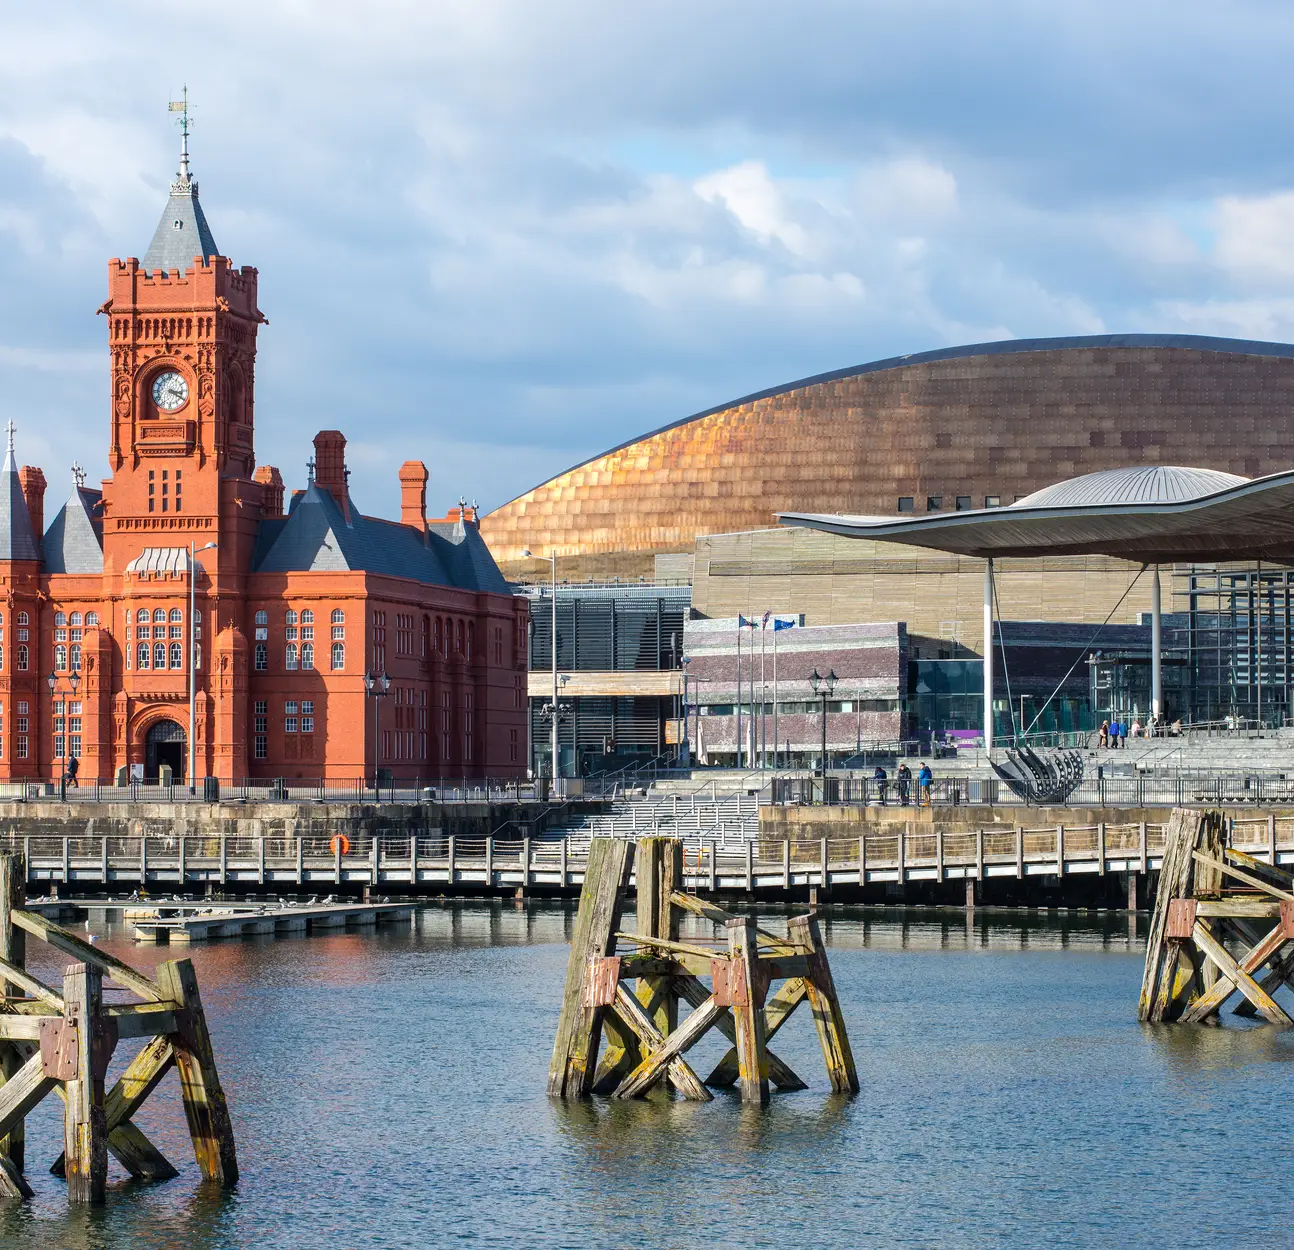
point(646, 1043)
point(1223, 925)
point(63, 1041)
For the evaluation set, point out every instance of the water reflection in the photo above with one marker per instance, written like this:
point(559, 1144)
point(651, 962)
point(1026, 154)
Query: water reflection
point(387, 1090)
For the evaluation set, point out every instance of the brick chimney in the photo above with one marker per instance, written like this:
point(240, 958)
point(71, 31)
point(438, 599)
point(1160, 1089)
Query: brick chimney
point(32, 481)
point(271, 481)
point(330, 466)
point(413, 494)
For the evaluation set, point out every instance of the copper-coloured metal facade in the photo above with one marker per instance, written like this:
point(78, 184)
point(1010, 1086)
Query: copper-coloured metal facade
point(969, 427)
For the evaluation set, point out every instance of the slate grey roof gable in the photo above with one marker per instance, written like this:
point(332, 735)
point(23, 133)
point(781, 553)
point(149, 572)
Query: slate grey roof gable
point(74, 540)
point(17, 538)
point(316, 537)
point(182, 233)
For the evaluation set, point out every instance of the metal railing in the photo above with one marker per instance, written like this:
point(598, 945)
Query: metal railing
point(284, 790)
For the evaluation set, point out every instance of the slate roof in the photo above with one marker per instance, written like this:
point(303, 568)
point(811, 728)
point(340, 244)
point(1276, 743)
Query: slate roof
point(17, 538)
point(74, 539)
point(182, 233)
point(316, 537)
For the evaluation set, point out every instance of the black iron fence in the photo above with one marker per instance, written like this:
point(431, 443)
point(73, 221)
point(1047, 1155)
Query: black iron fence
point(1146, 789)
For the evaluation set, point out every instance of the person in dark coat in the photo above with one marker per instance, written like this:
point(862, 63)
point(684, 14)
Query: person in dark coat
point(73, 767)
point(882, 780)
point(904, 776)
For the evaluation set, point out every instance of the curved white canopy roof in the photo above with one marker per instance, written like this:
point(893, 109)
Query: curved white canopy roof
point(1154, 515)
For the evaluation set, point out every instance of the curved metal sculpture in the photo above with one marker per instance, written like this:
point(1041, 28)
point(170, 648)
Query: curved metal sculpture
point(1038, 780)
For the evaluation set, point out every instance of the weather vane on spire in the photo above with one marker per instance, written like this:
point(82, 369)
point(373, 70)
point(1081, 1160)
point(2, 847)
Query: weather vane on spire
point(182, 107)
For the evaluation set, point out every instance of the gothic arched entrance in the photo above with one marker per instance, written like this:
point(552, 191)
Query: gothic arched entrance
point(164, 744)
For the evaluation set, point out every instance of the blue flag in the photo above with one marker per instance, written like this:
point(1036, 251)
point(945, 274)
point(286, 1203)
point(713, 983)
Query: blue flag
point(783, 625)
point(743, 623)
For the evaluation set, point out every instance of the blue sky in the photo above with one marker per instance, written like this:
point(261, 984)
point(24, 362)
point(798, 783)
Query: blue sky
point(501, 236)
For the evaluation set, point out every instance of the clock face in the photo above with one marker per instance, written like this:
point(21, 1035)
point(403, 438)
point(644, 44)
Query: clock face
point(170, 391)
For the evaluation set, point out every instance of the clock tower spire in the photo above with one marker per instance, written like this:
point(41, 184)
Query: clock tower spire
point(182, 332)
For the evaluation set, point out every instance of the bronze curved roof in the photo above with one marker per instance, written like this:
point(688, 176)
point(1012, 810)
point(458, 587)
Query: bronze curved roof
point(990, 421)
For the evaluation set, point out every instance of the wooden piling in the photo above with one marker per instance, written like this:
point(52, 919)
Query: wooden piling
point(825, 1004)
point(85, 1126)
point(205, 1107)
point(572, 1070)
point(659, 872)
point(747, 992)
point(13, 950)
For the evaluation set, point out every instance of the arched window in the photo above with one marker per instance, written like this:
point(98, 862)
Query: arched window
point(76, 619)
point(471, 639)
point(22, 619)
point(262, 618)
point(307, 617)
point(307, 655)
point(458, 637)
point(262, 657)
point(1, 657)
point(338, 616)
point(176, 616)
point(177, 655)
point(338, 655)
point(24, 657)
point(60, 618)
point(291, 617)
point(439, 634)
point(141, 617)
point(159, 655)
point(76, 657)
point(60, 657)
point(141, 656)
point(292, 655)
point(91, 618)
point(159, 616)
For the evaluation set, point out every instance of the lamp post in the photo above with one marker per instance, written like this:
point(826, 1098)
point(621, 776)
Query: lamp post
point(193, 660)
point(375, 687)
point(823, 688)
point(554, 744)
point(686, 751)
point(52, 682)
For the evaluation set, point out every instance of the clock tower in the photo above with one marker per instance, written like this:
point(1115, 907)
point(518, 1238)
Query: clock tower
point(182, 333)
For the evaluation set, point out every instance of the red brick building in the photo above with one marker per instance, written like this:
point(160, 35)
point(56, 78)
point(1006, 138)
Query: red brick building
point(292, 610)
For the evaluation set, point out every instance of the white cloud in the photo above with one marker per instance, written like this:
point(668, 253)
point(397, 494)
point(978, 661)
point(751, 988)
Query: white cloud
point(558, 223)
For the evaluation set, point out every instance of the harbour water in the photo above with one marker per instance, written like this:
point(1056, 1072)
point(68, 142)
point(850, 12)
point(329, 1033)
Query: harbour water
point(388, 1091)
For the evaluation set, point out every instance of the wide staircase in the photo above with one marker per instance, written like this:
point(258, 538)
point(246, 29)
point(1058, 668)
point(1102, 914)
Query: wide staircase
point(697, 814)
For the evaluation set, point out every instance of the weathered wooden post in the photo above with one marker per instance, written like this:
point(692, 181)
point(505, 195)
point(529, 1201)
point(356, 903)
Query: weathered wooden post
point(204, 1099)
point(83, 1064)
point(747, 989)
point(824, 1002)
point(575, 1050)
point(13, 950)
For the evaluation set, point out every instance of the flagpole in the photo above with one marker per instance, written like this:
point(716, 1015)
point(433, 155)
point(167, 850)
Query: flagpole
point(738, 690)
point(763, 700)
point(775, 744)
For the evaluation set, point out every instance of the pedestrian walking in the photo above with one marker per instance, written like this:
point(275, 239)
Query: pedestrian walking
point(1104, 740)
point(925, 785)
point(882, 780)
point(904, 776)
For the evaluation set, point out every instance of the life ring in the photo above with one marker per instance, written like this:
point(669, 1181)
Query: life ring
point(340, 844)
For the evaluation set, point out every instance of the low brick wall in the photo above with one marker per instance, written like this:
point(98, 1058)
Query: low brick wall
point(53, 819)
point(808, 822)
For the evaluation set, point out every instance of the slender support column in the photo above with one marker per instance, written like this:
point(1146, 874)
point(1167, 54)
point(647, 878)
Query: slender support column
point(988, 654)
point(85, 1125)
point(1156, 660)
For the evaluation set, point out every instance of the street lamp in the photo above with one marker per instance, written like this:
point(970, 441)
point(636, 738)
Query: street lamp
point(375, 686)
point(555, 748)
point(52, 682)
point(193, 661)
point(823, 687)
point(686, 751)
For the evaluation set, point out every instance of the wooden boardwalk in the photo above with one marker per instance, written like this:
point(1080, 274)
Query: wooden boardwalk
point(190, 925)
point(436, 864)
